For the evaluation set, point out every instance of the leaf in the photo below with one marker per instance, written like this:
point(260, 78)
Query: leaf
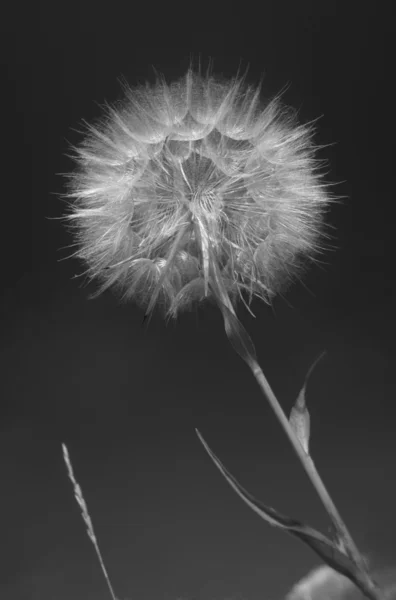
point(319, 543)
point(238, 336)
point(300, 419)
point(236, 333)
point(300, 422)
point(300, 402)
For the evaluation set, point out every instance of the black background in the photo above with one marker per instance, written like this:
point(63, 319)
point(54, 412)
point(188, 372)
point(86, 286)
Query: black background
point(126, 399)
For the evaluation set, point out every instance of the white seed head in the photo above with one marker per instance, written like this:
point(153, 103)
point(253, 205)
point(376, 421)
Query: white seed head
point(180, 185)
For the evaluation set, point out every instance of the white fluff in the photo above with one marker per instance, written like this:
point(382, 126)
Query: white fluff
point(183, 184)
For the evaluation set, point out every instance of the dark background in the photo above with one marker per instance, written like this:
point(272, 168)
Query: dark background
point(126, 399)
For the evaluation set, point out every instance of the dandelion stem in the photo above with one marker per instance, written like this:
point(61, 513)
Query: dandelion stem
point(242, 344)
point(367, 585)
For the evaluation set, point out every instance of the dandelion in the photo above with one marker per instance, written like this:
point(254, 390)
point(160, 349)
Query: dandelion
point(196, 190)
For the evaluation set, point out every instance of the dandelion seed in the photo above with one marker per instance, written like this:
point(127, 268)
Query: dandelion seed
point(185, 187)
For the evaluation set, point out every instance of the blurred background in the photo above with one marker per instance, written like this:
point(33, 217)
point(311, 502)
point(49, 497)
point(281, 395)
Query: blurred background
point(125, 398)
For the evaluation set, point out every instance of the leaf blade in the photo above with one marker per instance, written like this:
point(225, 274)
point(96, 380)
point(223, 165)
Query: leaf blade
point(319, 543)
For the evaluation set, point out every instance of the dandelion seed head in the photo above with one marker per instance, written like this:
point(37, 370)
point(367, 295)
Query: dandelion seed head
point(183, 183)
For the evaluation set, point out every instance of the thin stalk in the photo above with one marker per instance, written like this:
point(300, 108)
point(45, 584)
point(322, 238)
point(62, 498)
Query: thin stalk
point(368, 587)
point(242, 344)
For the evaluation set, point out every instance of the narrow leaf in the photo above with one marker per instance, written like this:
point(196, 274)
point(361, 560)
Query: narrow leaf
point(319, 543)
point(300, 422)
point(301, 401)
point(299, 416)
point(239, 338)
point(236, 333)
